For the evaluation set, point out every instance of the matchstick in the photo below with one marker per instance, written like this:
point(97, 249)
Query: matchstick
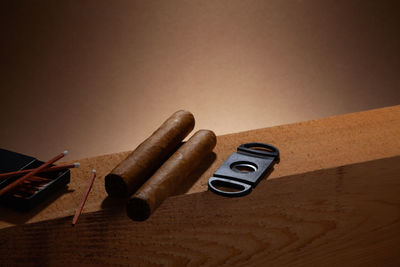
point(85, 196)
point(32, 173)
point(36, 179)
point(50, 169)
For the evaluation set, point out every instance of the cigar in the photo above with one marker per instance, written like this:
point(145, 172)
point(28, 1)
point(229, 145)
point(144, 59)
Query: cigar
point(138, 167)
point(167, 180)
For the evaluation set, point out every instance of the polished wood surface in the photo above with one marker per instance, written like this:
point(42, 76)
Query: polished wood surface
point(346, 215)
point(304, 147)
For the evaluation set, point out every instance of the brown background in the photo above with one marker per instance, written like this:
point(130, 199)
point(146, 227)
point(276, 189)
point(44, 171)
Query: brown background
point(98, 77)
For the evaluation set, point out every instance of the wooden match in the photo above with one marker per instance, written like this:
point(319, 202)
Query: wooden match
point(32, 173)
point(85, 196)
point(50, 169)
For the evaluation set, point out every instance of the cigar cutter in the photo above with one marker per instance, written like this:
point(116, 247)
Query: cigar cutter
point(242, 171)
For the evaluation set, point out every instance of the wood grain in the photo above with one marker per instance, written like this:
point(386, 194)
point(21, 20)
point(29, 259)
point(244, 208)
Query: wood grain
point(305, 146)
point(348, 215)
point(319, 144)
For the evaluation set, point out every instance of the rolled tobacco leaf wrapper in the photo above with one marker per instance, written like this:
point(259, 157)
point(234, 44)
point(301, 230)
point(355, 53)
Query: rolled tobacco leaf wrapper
point(168, 179)
point(132, 172)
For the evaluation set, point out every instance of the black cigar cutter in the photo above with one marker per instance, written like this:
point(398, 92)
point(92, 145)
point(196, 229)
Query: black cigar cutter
point(242, 171)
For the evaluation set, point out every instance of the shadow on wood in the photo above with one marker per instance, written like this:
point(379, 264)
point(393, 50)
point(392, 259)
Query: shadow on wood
point(20, 217)
point(347, 215)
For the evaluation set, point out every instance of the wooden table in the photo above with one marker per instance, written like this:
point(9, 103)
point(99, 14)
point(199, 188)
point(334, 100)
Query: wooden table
point(337, 202)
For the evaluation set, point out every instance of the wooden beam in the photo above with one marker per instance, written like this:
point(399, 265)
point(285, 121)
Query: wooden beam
point(348, 215)
point(305, 146)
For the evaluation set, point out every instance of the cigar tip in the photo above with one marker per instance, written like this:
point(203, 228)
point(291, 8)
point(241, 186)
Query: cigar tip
point(188, 115)
point(184, 112)
point(65, 152)
point(77, 165)
point(138, 209)
point(94, 171)
point(115, 186)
